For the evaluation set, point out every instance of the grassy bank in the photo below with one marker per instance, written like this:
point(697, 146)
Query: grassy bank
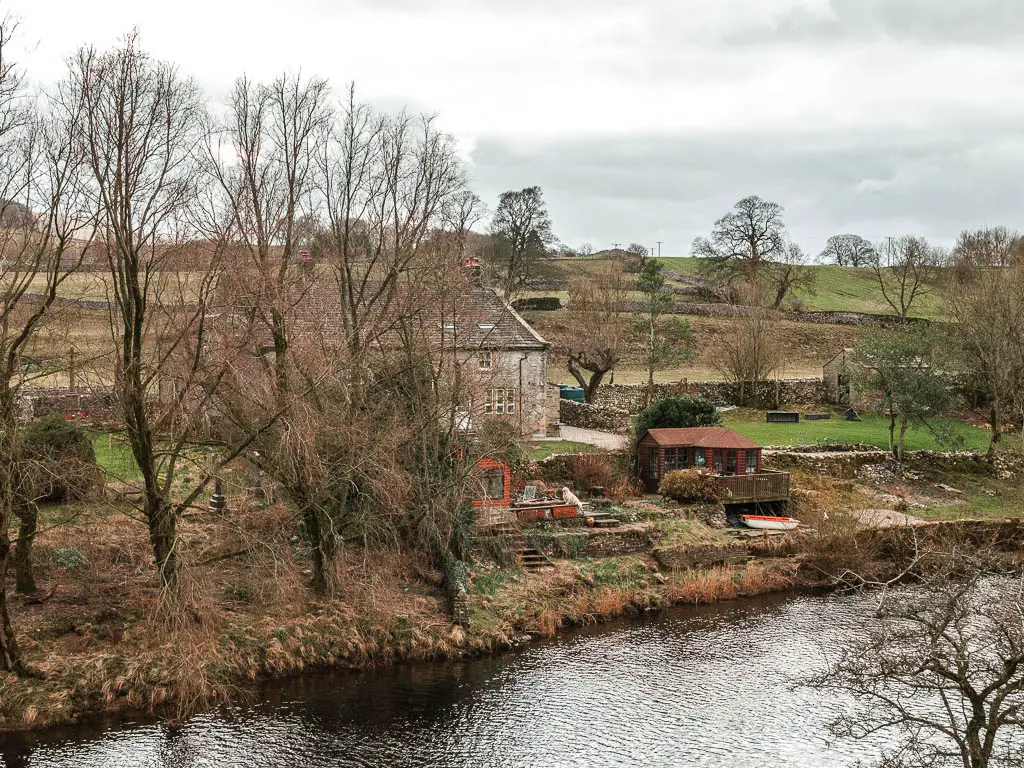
point(100, 636)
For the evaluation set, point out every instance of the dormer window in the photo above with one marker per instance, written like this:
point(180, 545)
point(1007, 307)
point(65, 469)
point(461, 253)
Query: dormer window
point(486, 326)
point(448, 327)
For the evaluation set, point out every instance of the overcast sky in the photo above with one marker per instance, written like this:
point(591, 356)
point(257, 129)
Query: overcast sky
point(644, 120)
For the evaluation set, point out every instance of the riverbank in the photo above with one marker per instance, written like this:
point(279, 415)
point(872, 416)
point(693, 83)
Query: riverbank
point(99, 636)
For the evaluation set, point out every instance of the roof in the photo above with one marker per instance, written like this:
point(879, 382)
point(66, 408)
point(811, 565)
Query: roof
point(700, 437)
point(841, 353)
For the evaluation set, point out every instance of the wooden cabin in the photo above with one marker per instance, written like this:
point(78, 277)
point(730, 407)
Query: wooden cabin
point(723, 452)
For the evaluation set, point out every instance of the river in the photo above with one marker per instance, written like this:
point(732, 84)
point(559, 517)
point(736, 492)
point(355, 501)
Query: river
point(704, 686)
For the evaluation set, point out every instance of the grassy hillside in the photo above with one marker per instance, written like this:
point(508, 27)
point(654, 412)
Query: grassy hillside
point(836, 289)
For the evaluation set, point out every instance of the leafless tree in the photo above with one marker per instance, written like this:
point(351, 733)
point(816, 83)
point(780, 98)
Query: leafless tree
point(140, 130)
point(940, 667)
point(743, 240)
point(40, 169)
point(521, 236)
point(599, 326)
point(986, 302)
point(789, 274)
point(749, 352)
point(849, 251)
point(990, 248)
point(906, 272)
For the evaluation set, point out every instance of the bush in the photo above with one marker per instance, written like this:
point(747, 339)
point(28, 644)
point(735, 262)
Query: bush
point(689, 486)
point(59, 461)
point(70, 558)
point(677, 412)
point(537, 304)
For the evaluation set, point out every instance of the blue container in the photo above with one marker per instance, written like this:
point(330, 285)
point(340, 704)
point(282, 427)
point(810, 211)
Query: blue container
point(571, 393)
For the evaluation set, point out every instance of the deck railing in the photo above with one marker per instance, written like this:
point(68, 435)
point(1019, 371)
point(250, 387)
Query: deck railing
point(764, 486)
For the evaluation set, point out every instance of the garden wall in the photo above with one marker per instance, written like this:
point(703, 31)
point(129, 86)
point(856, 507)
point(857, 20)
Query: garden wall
point(98, 403)
point(631, 398)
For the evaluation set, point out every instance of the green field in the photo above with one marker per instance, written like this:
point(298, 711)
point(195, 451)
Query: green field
point(836, 289)
point(873, 430)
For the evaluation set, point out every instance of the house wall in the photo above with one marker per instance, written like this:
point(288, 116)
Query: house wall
point(526, 371)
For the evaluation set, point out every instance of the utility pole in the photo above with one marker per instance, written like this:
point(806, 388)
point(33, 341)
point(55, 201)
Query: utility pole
point(615, 246)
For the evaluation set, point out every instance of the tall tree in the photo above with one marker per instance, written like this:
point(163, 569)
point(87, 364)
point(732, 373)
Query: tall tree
point(521, 235)
point(750, 350)
point(849, 251)
point(906, 272)
point(902, 369)
point(668, 341)
point(139, 129)
point(599, 326)
point(986, 301)
point(743, 240)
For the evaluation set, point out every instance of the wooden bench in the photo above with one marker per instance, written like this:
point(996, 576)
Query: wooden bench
point(817, 416)
point(783, 417)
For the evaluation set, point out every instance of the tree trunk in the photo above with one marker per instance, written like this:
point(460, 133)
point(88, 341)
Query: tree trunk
point(996, 425)
point(899, 445)
point(596, 377)
point(9, 658)
point(24, 575)
point(892, 434)
point(164, 539)
point(650, 387)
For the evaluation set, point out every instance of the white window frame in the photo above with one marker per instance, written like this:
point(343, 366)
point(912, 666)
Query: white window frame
point(501, 401)
point(485, 360)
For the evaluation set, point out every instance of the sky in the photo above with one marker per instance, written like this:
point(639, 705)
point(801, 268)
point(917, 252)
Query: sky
point(645, 120)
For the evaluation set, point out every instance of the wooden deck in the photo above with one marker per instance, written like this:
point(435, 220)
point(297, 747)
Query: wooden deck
point(764, 486)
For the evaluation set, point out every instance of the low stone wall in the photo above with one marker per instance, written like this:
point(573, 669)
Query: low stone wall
point(98, 403)
point(631, 398)
point(847, 462)
point(587, 416)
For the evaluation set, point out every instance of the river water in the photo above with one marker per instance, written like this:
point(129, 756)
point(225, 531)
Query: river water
point(707, 686)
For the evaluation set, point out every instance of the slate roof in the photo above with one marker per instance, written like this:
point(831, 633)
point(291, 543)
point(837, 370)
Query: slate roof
point(700, 437)
point(476, 318)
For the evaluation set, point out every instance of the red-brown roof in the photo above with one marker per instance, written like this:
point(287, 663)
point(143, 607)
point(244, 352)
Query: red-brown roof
point(700, 437)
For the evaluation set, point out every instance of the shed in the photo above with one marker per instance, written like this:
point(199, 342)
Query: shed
point(734, 458)
point(714, 449)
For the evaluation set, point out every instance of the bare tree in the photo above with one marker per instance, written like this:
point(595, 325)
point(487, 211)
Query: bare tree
point(749, 352)
point(140, 129)
point(940, 666)
point(986, 301)
point(599, 326)
point(849, 251)
point(743, 240)
point(521, 236)
point(906, 271)
point(790, 274)
point(990, 248)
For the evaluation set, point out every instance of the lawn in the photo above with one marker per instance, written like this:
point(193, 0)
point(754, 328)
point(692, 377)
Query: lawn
point(543, 449)
point(873, 430)
point(114, 456)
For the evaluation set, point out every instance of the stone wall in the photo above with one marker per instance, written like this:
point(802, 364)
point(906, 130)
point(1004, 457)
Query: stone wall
point(632, 397)
point(586, 416)
point(97, 402)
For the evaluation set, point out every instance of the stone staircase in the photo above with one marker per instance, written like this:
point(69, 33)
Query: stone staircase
point(602, 519)
point(532, 559)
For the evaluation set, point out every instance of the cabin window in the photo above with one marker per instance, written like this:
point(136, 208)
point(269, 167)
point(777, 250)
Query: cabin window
point(717, 461)
point(699, 460)
point(654, 464)
point(670, 459)
point(501, 401)
point(730, 462)
point(484, 359)
point(751, 462)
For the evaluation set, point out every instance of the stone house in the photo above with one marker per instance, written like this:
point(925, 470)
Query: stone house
point(836, 377)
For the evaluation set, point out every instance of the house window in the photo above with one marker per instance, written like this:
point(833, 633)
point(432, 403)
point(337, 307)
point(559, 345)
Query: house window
point(751, 462)
point(699, 460)
point(654, 464)
point(501, 401)
point(717, 461)
point(484, 359)
point(730, 462)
